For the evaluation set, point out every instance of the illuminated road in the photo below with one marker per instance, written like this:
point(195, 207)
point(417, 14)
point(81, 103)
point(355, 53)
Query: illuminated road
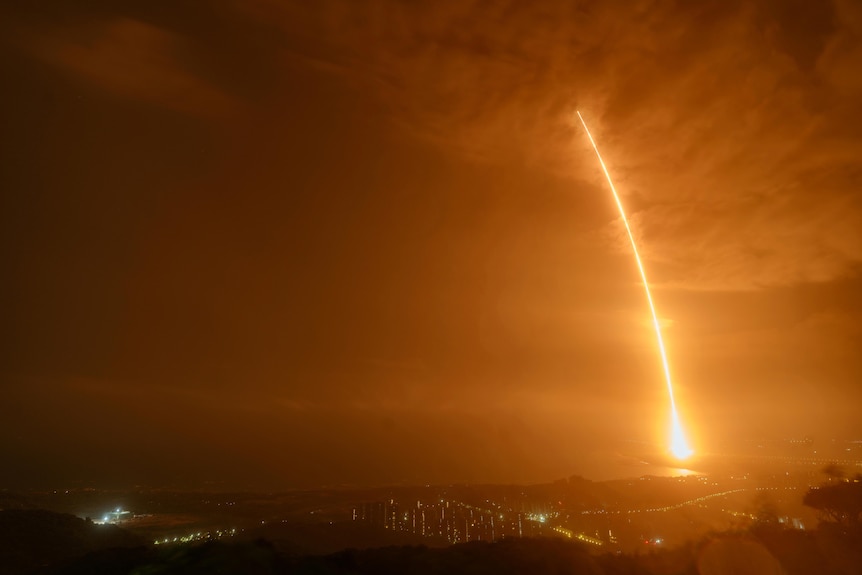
point(694, 501)
point(198, 536)
point(791, 460)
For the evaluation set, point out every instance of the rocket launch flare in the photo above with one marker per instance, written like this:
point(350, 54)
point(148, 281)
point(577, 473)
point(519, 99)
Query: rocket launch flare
point(678, 443)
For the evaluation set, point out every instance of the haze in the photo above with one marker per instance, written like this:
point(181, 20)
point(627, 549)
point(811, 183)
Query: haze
point(285, 244)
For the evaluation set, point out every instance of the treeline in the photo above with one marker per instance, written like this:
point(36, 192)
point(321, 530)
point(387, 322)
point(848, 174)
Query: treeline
point(759, 551)
point(34, 537)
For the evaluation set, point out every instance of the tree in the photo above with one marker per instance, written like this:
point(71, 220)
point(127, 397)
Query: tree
point(838, 502)
point(765, 511)
point(834, 472)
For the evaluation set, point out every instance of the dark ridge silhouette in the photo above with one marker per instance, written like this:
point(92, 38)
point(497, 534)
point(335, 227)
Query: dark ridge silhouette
point(762, 551)
point(114, 561)
point(30, 538)
point(505, 557)
point(294, 538)
point(246, 558)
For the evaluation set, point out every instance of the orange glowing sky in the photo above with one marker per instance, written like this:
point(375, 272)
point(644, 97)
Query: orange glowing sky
point(291, 243)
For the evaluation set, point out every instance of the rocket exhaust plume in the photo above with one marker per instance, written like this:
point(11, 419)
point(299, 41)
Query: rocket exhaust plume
point(678, 443)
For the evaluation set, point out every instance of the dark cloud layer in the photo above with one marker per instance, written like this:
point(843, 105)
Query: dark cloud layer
point(319, 237)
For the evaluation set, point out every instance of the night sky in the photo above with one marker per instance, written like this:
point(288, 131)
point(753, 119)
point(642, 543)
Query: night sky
point(274, 243)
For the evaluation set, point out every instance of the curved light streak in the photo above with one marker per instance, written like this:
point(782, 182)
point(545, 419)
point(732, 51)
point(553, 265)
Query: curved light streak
point(678, 445)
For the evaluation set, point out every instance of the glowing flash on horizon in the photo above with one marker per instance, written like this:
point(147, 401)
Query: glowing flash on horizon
point(678, 444)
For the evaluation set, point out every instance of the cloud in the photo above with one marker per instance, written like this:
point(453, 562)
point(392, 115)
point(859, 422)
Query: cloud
point(727, 136)
point(136, 60)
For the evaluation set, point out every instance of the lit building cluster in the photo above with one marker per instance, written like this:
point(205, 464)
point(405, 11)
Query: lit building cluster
point(454, 521)
point(621, 526)
point(459, 522)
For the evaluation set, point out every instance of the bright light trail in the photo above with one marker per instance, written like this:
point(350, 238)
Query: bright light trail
point(678, 444)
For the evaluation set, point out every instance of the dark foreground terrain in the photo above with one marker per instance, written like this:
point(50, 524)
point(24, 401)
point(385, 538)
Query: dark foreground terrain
point(47, 543)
